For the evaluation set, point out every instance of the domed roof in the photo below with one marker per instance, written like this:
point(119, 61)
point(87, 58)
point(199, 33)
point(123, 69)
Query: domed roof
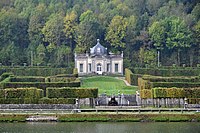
point(98, 49)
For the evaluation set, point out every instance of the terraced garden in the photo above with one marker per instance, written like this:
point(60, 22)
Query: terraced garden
point(108, 85)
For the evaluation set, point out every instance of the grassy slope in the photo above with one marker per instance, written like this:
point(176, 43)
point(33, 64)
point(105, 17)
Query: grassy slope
point(108, 85)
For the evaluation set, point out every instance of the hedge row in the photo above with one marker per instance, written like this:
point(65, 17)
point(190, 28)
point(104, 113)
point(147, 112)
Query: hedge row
point(60, 79)
point(146, 84)
point(27, 79)
point(171, 79)
point(5, 75)
point(131, 78)
point(175, 84)
point(146, 94)
point(71, 93)
point(32, 93)
point(41, 85)
point(167, 72)
point(46, 100)
point(176, 92)
point(128, 75)
point(36, 71)
point(20, 95)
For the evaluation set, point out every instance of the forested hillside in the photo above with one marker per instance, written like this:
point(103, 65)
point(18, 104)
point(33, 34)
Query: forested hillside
point(48, 32)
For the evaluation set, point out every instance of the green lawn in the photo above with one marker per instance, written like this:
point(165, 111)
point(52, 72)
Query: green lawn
point(108, 85)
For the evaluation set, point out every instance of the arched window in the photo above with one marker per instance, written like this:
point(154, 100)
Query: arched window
point(99, 67)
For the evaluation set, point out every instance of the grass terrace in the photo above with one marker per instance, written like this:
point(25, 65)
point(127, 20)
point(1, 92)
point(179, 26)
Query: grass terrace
point(108, 85)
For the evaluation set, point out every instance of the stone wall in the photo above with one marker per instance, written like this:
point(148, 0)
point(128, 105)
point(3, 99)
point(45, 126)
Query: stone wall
point(37, 106)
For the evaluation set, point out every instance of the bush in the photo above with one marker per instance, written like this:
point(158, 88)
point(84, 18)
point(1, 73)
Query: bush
point(46, 100)
point(27, 79)
point(131, 78)
point(60, 79)
point(75, 72)
point(128, 75)
point(176, 84)
point(170, 79)
point(71, 93)
point(176, 92)
point(35, 71)
point(20, 95)
point(167, 72)
point(5, 75)
point(41, 85)
point(146, 94)
point(144, 84)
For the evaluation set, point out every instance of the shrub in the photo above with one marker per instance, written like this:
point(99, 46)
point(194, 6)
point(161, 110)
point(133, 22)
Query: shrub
point(144, 84)
point(176, 92)
point(5, 75)
point(75, 72)
point(60, 79)
point(176, 84)
point(146, 94)
point(170, 79)
point(27, 79)
point(167, 72)
point(36, 71)
point(131, 78)
point(41, 85)
point(20, 95)
point(72, 93)
point(128, 75)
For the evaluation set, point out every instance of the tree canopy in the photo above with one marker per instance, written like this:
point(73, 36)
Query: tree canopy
point(48, 32)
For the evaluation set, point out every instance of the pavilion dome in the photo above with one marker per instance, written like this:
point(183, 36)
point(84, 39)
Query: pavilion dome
point(98, 49)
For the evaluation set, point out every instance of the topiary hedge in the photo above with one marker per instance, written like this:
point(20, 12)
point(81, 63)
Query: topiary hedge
point(46, 100)
point(144, 84)
point(20, 95)
point(60, 79)
point(131, 78)
point(147, 84)
point(146, 94)
point(5, 75)
point(71, 92)
point(167, 72)
point(27, 79)
point(176, 84)
point(41, 85)
point(35, 71)
point(176, 92)
point(128, 75)
point(170, 79)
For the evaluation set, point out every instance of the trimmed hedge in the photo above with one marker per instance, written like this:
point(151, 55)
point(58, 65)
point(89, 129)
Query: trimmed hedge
point(20, 95)
point(128, 75)
point(146, 94)
point(27, 79)
point(175, 84)
point(46, 100)
point(144, 84)
point(131, 78)
point(60, 79)
point(41, 85)
point(176, 92)
point(71, 92)
point(167, 72)
point(170, 79)
point(35, 71)
point(5, 75)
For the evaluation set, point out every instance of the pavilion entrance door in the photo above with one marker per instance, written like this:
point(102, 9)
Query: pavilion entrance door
point(99, 69)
